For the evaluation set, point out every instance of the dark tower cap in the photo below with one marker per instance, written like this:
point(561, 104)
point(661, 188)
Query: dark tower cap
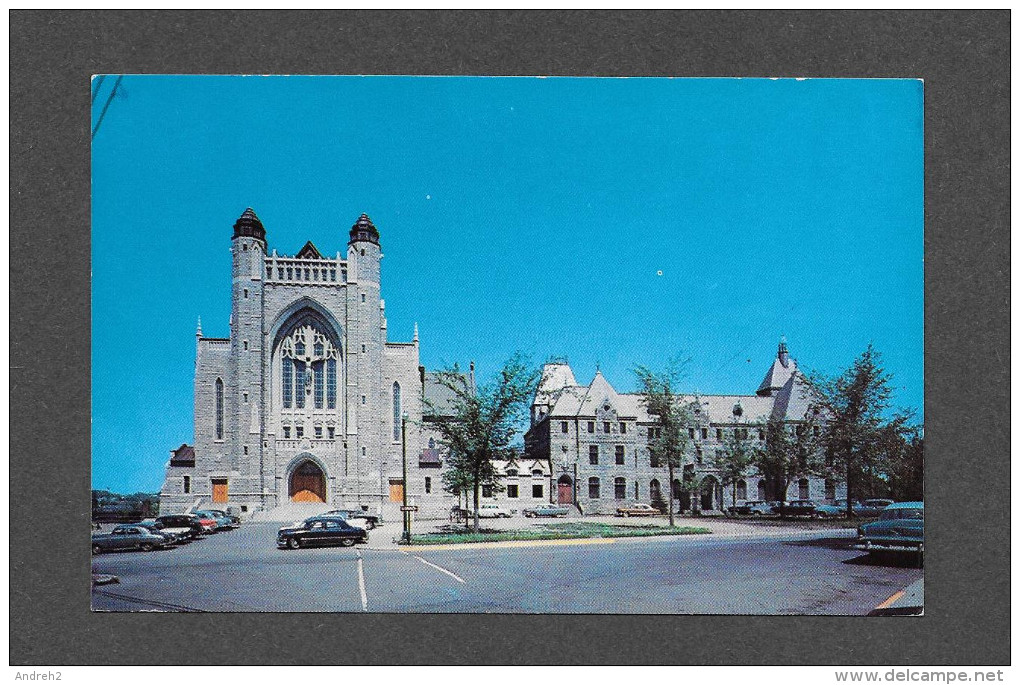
point(249, 226)
point(364, 230)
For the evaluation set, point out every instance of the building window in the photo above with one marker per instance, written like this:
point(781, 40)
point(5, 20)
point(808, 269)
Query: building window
point(330, 432)
point(620, 488)
point(245, 345)
point(299, 383)
point(364, 399)
point(536, 490)
point(653, 460)
point(219, 409)
point(246, 293)
point(593, 454)
point(396, 412)
point(246, 449)
point(718, 434)
point(623, 428)
point(486, 491)
point(830, 489)
point(509, 472)
point(591, 426)
point(741, 489)
point(428, 485)
point(511, 491)
point(319, 384)
point(288, 382)
point(331, 383)
point(637, 490)
point(299, 431)
point(364, 451)
point(286, 432)
point(362, 297)
point(619, 455)
point(564, 427)
point(187, 484)
point(606, 427)
point(318, 432)
point(245, 398)
point(803, 488)
point(704, 434)
point(593, 488)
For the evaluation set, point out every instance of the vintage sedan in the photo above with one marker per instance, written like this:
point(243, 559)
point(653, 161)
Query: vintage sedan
point(321, 531)
point(354, 517)
point(176, 536)
point(754, 507)
point(185, 521)
point(871, 507)
point(800, 507)
point(222, 521)
point(546, 509)
point(639, 509)
point(900, 527)
point(128, 537)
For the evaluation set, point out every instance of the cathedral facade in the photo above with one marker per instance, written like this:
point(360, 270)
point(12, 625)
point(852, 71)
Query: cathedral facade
point(305, 401)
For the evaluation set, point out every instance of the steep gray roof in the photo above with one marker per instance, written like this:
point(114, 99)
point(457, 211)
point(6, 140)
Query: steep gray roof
point(438, 396)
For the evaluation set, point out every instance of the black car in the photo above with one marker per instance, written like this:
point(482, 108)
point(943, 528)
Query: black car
point(189, 521)
point(175, 536)
point(321, 531)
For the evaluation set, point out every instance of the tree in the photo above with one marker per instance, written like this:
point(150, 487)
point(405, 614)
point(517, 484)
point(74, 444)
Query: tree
point(733, 459)
point(855, 405)
point(479, 425)
point(791, 451)
point(906, 465)
point(672, 414)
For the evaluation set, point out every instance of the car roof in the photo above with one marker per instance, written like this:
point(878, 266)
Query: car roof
point(906, 505)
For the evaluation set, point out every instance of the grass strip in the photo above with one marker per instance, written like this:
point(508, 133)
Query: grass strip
point(562, 531)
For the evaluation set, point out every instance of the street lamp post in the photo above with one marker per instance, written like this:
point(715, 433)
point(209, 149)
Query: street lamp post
point(403, 448)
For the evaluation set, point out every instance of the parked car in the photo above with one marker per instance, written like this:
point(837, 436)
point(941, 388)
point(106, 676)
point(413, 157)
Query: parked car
point(799, 507)
point(235, 521)
point(491, 510)
point(900, 527)
point(189, 521)
point(221, 522)
point(831, 511)
point(872, 507)
point(754, 508)
point(128, 537)
point(176, 536)
point(319, 531)
point(546, 509)
point(354, 515)
point(638, 509)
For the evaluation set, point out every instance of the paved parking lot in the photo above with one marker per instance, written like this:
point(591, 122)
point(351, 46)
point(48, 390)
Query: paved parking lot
point(242, 570)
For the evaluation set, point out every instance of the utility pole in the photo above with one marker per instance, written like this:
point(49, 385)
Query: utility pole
point(406, 512)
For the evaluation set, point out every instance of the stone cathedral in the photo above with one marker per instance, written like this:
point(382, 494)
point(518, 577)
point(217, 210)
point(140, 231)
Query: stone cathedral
point(303, 402)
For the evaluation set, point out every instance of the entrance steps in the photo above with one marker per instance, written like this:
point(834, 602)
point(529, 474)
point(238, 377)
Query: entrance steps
point(292, 511)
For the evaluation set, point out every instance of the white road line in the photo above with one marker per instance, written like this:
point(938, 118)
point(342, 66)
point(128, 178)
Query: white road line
point(361, 582)
point(441, 569)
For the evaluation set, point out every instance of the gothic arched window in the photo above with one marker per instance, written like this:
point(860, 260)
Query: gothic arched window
point(219, 409)
point(396, 411)
point(308, 369)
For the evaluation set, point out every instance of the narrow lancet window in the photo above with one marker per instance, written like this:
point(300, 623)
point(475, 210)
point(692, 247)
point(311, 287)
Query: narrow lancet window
point(219, 409)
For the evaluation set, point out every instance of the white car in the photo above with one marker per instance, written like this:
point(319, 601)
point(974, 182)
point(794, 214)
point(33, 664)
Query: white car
point(493, 511)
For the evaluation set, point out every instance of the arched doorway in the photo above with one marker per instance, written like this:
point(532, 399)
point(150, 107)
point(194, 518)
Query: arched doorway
point(708, 493)
point(307, 483)
point(564, 490)
point(655, 494)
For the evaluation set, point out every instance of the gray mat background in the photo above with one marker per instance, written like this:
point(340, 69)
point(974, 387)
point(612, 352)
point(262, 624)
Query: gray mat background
point(964, 59)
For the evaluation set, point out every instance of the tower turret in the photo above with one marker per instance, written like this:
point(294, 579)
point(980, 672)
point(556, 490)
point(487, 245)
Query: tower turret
point(248, 225)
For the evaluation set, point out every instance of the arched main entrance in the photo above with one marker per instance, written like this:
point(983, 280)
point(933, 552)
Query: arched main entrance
point(307, 483)
point(565, 490)
point(708, 493)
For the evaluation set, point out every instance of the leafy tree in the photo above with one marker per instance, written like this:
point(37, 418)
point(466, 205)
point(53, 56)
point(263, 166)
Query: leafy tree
point(734, 458)
point(479, 425)
point(855, 405)
point(672, 414)
point(791, 451)
point(906, 465)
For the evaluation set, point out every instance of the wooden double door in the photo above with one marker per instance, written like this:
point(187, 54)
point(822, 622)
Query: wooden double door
point(308, 483)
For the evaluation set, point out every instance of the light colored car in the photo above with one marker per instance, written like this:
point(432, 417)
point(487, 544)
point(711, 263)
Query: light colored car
point(546, 509)
point(639, 509)
point(490, 510)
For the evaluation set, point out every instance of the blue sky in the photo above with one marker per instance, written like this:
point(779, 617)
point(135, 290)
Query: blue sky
point(610, 221)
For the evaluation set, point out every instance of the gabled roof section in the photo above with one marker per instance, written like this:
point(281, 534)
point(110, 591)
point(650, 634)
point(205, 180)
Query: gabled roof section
point(782, 369)
point(309, 251)
point(555, 377)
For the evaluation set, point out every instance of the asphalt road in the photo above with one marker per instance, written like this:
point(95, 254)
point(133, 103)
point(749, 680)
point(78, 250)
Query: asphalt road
point(242, 570)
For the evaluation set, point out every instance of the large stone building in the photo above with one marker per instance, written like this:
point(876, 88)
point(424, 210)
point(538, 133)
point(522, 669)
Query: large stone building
point(303, 401)
point(301, 406)
point(596, 440)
